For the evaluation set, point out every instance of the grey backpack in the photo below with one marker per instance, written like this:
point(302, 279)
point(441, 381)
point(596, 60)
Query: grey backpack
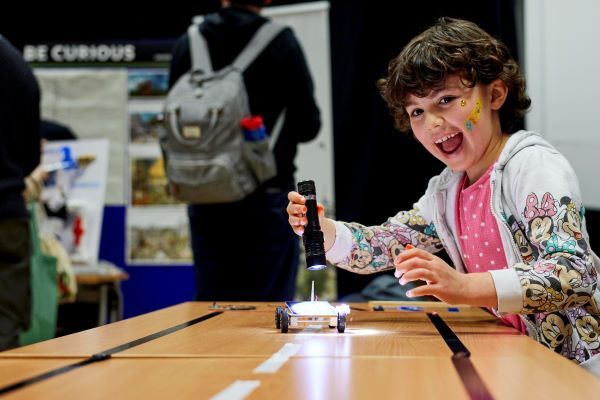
point(207, 159)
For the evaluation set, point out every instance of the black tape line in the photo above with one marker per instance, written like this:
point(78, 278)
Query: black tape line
point(470, 378)
point(54, 372)
point(160, 334)
point(448, 335)
point(461, 360)
point(104, 355)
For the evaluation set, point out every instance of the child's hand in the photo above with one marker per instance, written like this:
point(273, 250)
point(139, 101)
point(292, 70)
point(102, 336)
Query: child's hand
point(296, 212)
point(443, 281)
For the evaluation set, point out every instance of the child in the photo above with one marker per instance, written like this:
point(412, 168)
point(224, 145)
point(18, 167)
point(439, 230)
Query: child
point(507, 208)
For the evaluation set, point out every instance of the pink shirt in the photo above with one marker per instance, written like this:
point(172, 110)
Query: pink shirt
point(479, 239)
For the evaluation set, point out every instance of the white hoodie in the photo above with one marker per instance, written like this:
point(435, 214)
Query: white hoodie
point(552, 278)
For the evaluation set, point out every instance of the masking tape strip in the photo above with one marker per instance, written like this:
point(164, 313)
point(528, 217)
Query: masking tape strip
point(277, 360)
point(238, 390)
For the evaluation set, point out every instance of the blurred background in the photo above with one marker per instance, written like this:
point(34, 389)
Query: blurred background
point(375, 170)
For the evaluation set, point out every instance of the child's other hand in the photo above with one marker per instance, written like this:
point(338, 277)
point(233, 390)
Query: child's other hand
point(296, 210)
point(443, 281)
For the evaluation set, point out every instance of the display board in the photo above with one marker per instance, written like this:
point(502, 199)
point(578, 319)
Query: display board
point(115, 91)
point(122, 102)
point(73, 194)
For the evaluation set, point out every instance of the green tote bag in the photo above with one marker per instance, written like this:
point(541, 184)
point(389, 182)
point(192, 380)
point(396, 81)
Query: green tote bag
point(44, 290)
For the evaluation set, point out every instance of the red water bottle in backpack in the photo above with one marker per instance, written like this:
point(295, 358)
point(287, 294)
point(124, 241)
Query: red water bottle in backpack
point(253, 128)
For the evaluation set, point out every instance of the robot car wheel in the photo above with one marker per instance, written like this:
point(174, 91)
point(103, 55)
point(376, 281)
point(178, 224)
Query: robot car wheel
point(341, 322)
point(285, 320)
point(278, 312)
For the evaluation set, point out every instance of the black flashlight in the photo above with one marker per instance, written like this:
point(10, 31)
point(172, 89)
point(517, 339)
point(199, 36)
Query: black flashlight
point(314, 246)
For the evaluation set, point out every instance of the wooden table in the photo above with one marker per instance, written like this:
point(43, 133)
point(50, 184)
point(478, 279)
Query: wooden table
point(382, 354)
point(101, 284)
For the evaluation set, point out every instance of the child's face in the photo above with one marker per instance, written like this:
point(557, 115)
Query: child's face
point(460, 125)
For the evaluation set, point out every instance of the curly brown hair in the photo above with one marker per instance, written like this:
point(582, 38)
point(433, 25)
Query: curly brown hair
point(453, 46)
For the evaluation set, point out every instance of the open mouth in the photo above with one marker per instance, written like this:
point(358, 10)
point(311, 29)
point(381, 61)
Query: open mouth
point(450, 143)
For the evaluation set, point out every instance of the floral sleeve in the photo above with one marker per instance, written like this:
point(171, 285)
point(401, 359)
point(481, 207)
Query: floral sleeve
point(374, 248)
point(558, 270)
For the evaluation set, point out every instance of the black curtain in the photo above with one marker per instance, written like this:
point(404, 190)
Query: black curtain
point(52, 22)
point(378, 170)
point(28, 23)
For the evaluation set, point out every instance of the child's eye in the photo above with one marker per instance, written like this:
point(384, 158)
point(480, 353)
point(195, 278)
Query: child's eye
point(447, 99)
point(416, 112)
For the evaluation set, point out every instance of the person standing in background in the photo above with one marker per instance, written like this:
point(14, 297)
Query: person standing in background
point(19, 155)
point(278, 80)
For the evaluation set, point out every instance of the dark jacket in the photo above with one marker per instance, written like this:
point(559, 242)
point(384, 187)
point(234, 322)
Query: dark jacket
point(19, 129)
point(279, 78)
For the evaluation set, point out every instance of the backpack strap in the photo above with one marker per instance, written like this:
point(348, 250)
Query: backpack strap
point(199, 50)
point(261, 39)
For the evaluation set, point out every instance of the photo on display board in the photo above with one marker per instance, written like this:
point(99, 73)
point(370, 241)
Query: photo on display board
point(149, 182)
point(159, 235)
point(147, 82)
point(145, 126)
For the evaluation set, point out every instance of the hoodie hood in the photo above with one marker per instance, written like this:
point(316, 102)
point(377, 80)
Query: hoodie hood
point(519, 141)
point(516, 142)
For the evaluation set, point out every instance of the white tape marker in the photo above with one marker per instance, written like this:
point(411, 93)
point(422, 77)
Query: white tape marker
point(277, 360)
point(238, 390)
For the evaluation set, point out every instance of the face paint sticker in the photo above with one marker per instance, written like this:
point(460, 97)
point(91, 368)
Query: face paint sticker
point(463, 102)
point(473, 116)
point(469, 126)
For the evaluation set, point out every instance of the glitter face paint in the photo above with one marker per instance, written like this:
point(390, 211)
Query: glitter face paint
point(473, 116)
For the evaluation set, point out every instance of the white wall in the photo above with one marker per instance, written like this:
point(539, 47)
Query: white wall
point(310, 22)
point(562, 65)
